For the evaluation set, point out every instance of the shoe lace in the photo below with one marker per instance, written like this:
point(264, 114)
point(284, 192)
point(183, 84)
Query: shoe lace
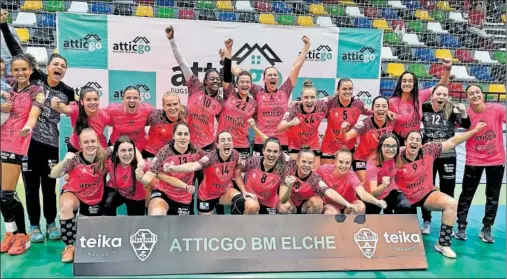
point(52, 229)
point(20, 241)
point(487, 230)
point(36, 230)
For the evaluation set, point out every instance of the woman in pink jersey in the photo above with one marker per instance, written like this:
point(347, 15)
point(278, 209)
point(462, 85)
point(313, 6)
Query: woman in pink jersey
point(484, 151)
point(84, 188)
point(84, 115)
point(204, 103)
point(303, 190)
point(124, 186)
point(272, 101)
point(371, 129)
point(162, 121)
point(407, 101)
point(302, 122)
point(238, 107)
point(220, 167)
point(26, 100)
point(263, 176)
point(415, 179)
point(346, 183)
point(342, 107)
point(172, 192)
point(381, 170)
point(129, 117)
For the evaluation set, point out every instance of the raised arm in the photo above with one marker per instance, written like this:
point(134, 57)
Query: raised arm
point(447, 72)
point(182, 62)
point(256, 130)
point(451, 143)
point(13, 45)
point(294, 72)
point(225, 55)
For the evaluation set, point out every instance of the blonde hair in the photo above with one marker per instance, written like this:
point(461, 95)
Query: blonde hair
point(181, 111)
point(448, 106)
point(100, 157)
point(308, 85)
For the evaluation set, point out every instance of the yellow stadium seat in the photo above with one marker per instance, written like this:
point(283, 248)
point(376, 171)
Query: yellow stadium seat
point(395, 69)
point(347, 2)
point(496, 88)
point(317, 9)
point(445, 53)
point(305, 21)
point(224, 5)
point(504, 18)
point(146, 11)
point(423, 15)
point(55, 51)
point(381, 24)
point(267, 19)
point(23, 34)
point(444, 6)
point(31, 5)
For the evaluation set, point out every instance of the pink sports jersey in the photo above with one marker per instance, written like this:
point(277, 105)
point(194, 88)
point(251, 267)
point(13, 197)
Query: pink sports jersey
point(234, 117)
point(369, 134)
point(337, 114)
point(161, 130)
point(271, 108)
point(129, 124)
point(83, 181)
point(486, 147)
point(406, 118)
point(264, 184)
point(375, 173)
point(218, 174)
point(202, 112)
point(98, 123)
point(122, 180)
point(415, 179)
point(345, 184)
point(304, 188)
point(22, 103)
point(168, 154)
point(307, 132)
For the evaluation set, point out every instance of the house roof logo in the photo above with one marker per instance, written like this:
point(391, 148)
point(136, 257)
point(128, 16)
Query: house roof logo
point(93, 84)
point(246, 50)
point(142, 39)
point(143, 242)
point(364, 94)
point(323, 48)
point(367, 241)
point(144, 90)
point(92, 36)
point(142, 87)
point(369, 49)
point(322, 93)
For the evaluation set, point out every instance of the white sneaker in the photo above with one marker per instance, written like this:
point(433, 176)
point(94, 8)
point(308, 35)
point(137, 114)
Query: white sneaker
point(446, 251)
point(426, 227)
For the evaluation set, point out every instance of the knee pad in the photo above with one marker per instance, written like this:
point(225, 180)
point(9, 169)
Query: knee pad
point(10, 199)
point(238, 205)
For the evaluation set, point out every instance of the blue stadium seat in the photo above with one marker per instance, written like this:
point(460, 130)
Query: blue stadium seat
point(362, 23)
point(412, 4)
point(481, 73)
point(47, 20)
point(226, 16)
point(281, 8)
point(425, 54)
point(165, 3)
point(387, 84)
point(447, 40)
point(429, 84)
point(389, 13)
point(101, 8)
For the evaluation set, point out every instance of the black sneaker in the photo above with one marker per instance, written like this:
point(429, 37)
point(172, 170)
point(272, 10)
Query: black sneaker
point(486, 236)
point(461, 234)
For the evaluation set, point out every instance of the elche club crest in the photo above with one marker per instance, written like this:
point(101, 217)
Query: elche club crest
point(367, 241)
point(143, 242)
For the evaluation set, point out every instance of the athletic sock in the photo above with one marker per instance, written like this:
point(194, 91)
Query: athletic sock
point(18, 212)
point(68, 230)
point(445, 235)
point(238, 205)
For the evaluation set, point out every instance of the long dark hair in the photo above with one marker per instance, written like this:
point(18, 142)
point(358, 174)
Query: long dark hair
point(56, 55)
point(116, 161)
point(414, 93)
point(379, 156)
point(279, 166)
point(32, 63)
point(82, 119)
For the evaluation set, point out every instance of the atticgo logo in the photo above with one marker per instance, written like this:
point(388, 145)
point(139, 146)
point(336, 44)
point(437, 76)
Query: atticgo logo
point(402, 241)
point(92, 84)
point(322, 53)
point(252, 57)
point(90, 42)
point(138, 45)
point(143, 242)
point(365, 55)
point(100, 246)
point(367, 241)
point(144, 91)
point(320, 94)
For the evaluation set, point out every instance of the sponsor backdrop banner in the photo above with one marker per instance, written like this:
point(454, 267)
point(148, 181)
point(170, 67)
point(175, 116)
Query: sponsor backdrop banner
point(111, 246)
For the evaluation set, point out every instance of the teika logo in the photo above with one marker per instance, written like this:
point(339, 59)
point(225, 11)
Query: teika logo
point(139, 45)
point(90, 42)
point(402, 241)
point(100, 246)
point(364, 55)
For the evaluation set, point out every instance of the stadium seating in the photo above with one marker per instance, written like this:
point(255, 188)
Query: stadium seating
point(417, 33)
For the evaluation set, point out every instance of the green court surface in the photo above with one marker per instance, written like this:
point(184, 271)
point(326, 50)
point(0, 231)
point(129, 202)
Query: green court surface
point(475, 258)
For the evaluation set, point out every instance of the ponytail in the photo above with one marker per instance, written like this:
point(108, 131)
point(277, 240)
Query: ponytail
point(82, 119)
point(100, 161)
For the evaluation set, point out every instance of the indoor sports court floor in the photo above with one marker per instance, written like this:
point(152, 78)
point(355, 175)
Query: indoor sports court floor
point(475, 258)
